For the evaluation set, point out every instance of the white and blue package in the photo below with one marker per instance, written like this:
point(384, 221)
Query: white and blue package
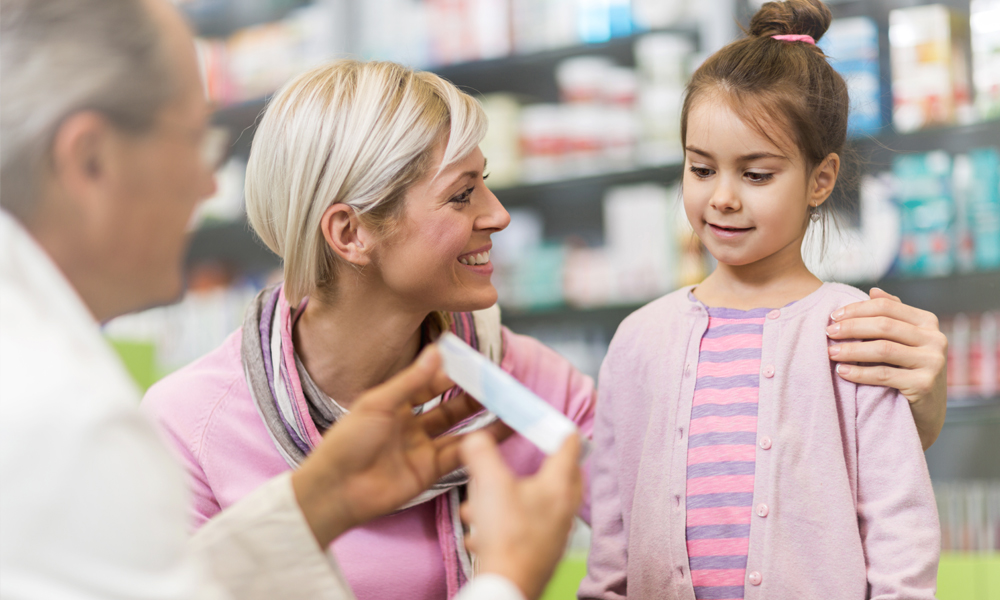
point(506, 397)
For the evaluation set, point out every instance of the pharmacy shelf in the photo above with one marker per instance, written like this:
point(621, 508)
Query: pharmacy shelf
point(875, 153)
point(221, 18)
point(966, 292)
point(605, 318)
point(572, 208)
point(232, 244)
point(532, 76)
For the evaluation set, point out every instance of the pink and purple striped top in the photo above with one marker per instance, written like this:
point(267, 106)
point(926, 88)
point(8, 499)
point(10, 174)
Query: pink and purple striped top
point(721, 450)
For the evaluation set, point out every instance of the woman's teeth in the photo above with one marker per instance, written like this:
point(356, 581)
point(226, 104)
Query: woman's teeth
point(475, 259)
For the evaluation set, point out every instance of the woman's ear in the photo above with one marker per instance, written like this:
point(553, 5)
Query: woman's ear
point(824, 178)
point(345, 234)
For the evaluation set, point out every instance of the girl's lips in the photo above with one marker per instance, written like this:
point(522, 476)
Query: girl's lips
point(728, 233)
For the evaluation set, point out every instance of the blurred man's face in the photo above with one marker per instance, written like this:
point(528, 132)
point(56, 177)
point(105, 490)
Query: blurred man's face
point(162, 179)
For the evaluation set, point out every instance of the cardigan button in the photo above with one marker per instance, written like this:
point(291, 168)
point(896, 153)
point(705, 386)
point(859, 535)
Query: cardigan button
point(769, 371)
point(755, 578)
point(774, 314)
point(765, 443)
point(762, 510)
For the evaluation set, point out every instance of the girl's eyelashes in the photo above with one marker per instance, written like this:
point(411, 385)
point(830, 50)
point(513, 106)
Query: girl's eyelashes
point(755, 177)
point(701, 172)
point(486, 176)
point(463, 198)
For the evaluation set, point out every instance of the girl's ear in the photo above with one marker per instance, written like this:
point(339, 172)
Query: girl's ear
point(345, 234)
point(824, 178)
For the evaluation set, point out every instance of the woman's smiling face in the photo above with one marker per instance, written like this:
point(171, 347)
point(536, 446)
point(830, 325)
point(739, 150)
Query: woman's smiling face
point(438, 256)
point(746, 198)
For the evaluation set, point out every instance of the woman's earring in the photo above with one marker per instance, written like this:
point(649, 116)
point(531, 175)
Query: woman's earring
point(814, 213)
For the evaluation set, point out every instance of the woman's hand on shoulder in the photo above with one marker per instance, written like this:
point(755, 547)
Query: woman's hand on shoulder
point(911, 350)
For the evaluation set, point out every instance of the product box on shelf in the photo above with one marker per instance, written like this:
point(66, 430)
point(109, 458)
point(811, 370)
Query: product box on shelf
point(662, 65)
point(973, 355)
point(924, 193)
point(984, 207)
point(930, 67)
point(852, 46)
point(984, 18)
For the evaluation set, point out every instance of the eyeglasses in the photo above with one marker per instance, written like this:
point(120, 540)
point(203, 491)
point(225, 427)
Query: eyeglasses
point(215, 147)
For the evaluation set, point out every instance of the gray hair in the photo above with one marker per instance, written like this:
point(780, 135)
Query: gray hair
point(60, 57)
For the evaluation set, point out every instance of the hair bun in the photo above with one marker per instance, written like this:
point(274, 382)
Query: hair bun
point(802, 17)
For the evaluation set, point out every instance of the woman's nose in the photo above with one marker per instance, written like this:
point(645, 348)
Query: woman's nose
point(495, 217)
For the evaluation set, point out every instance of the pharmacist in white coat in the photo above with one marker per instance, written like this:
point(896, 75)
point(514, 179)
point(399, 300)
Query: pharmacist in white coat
point(105, 154)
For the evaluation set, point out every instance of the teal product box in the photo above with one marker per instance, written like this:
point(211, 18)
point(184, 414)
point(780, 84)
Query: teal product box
point(924, 194)
point(537, 281)
point(984, 207)
point(852, 47)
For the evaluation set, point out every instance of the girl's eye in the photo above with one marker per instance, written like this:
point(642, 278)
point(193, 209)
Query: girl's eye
point(701, 172)
point(758, 177)
point(463, 198)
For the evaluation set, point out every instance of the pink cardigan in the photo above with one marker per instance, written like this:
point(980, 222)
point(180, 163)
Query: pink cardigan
point(208, 416)
point(851, 512)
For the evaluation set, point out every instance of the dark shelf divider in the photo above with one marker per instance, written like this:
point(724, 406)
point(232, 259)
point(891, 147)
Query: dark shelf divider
point(233, 244)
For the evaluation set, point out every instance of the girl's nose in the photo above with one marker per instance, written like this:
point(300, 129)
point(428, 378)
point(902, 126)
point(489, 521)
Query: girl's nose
point(494, 216)
point(725, 199)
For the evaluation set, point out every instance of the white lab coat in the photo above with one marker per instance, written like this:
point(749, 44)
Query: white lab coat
point(92, 504)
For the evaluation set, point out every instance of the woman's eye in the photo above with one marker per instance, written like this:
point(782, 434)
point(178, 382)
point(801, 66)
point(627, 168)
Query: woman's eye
point(758, 177)
point(463, 198)
point(701, 172)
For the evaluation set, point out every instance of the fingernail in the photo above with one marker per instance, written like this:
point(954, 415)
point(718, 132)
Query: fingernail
point(837, 314)
point(834, 350)
point(832, 329)
point(426, 356)
point(843, 369)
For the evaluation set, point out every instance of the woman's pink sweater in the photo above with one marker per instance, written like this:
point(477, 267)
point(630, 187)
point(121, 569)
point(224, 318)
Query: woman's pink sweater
point(208, 416)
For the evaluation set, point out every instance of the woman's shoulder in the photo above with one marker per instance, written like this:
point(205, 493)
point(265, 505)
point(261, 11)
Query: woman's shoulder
point(183, 401)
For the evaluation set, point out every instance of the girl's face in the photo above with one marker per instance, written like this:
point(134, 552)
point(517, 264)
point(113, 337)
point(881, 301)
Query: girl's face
point(438, 257)
point(746, 198)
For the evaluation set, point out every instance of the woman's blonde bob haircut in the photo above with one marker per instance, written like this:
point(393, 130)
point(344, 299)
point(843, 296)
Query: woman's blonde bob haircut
point(351, 132)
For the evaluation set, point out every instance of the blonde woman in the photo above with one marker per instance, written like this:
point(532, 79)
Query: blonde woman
point(367, 179)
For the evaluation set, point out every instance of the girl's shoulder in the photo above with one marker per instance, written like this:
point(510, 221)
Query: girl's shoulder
point(660, 322)
point(828, 298)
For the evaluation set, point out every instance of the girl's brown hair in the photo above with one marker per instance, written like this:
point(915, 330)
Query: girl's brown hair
point(771, 83)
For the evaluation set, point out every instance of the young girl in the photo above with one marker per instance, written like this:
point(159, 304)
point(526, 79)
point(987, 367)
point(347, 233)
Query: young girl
point(731, 461)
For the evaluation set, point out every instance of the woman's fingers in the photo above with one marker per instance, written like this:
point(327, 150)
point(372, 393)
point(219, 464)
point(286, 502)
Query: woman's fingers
point(881, 328)
point(882, 351)
point(448, 414)
point(885, 305)
point(913, 384)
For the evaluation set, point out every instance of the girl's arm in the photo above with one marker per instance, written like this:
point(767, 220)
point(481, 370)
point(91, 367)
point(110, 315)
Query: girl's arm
point(897, 514)
point(607, 562)
point(910, 346)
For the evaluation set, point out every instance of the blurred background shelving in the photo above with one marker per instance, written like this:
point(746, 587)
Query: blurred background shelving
point(583, 98)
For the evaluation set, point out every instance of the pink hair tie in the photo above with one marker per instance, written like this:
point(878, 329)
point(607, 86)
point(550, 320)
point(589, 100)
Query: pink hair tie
point(795, 38)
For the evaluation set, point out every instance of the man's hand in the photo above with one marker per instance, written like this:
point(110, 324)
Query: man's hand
point(519, 527)
point(381, 455)
point(909, 344)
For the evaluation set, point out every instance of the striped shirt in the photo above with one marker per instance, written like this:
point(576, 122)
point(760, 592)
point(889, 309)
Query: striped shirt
point(721, 450)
